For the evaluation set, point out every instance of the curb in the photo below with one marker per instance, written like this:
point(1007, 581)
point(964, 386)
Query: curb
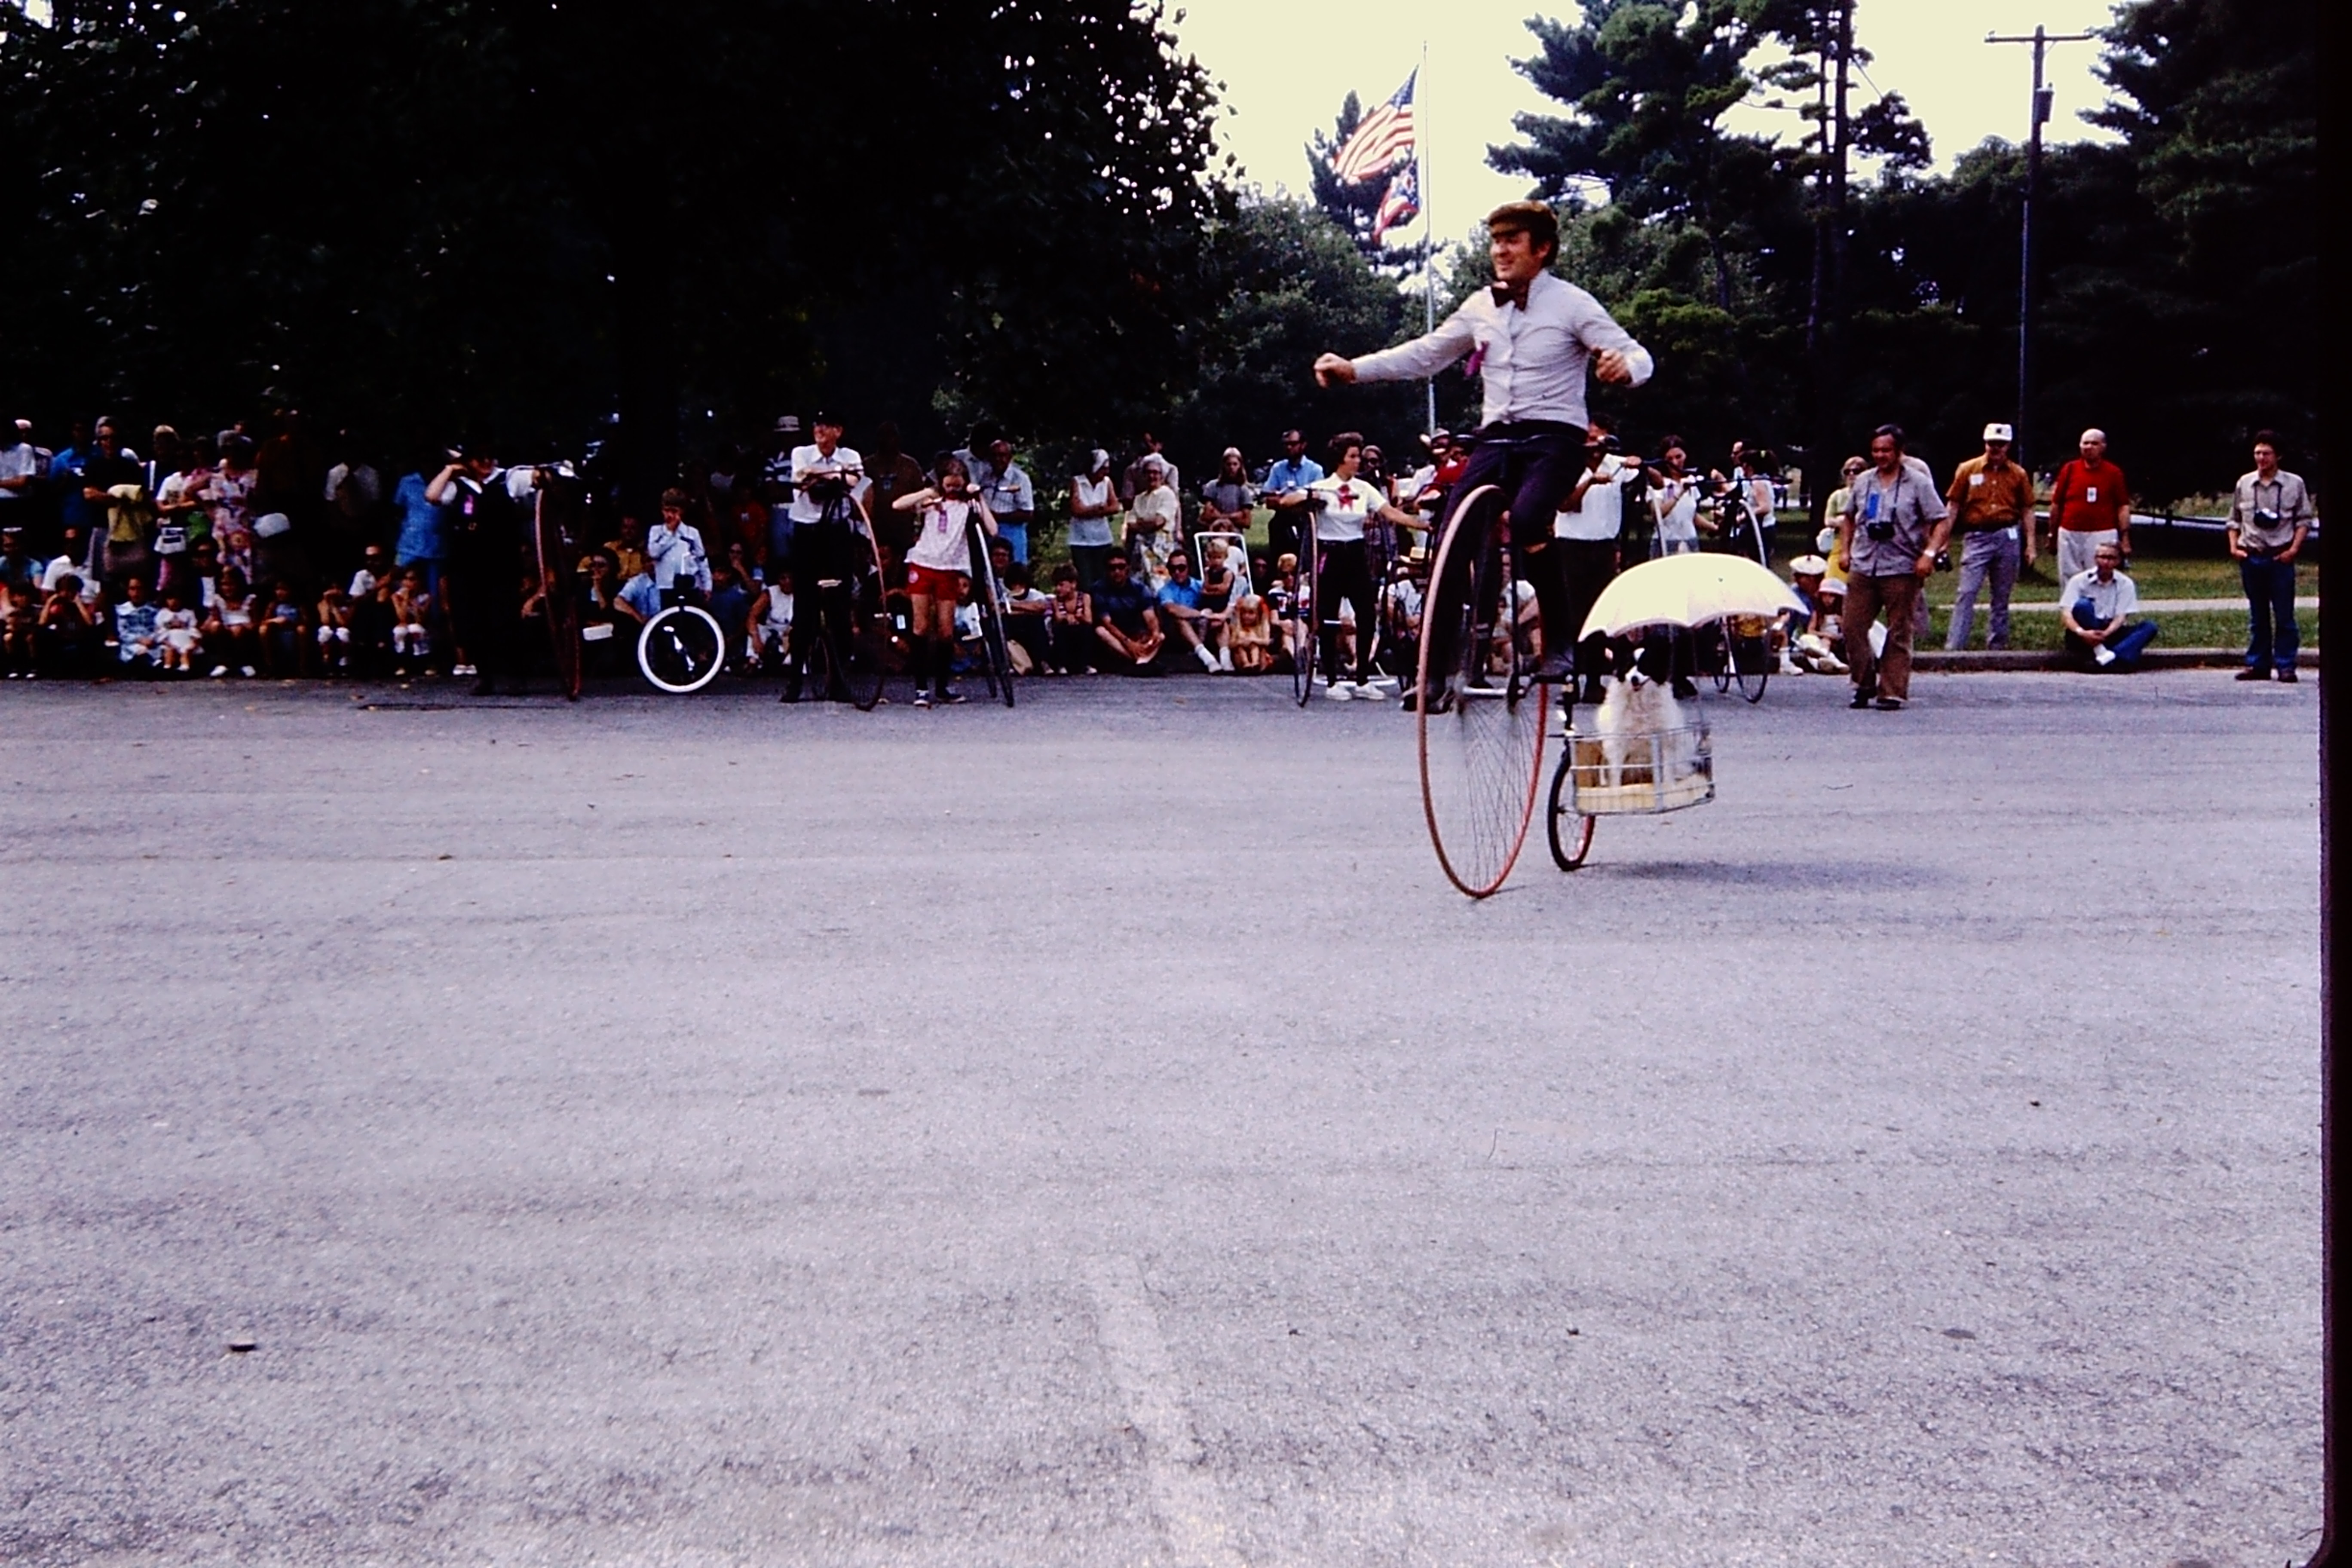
point(1981, 659)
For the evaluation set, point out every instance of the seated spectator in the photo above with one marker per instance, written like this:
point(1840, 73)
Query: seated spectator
point(2095, 608)
point(1070, 625)
point(371, 625)
point(230, 636)
point(1811, 639)
point(20, 604)
point(629, 549)
point(640, 593)
point(1126, 623)
point(769, 634)
point(334, 633)
point(730, 607)
point(608, 624)
point(411, 621)
point(1287, 603)
point(1025, 612)
point(67, 640)
point(136, 641)
point(1401, 599)
point(1249, 636)
point(178, 637)
point(1180, 608)
point(282, 631)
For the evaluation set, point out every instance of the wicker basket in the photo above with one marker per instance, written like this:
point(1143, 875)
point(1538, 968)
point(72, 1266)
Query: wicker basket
point(1664, 770)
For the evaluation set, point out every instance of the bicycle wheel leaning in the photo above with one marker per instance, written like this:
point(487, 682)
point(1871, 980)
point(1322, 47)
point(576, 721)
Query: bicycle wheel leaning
point(988, 598)
point(862, 645)
point(556, 521)
point(1750, 659)
point(1305, 611)
point(681, 648)
point(1479, 715)
point(1569, 830)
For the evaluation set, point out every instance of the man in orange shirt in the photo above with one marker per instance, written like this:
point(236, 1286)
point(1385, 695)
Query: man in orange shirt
point(1990, 500)
point(2090, 505)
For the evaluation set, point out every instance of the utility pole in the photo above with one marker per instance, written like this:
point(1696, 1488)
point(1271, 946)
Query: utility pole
point(2041, 39)
point(1826, 315)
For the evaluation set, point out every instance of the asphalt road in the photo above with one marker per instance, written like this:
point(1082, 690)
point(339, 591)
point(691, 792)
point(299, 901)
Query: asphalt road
point(695, 1132)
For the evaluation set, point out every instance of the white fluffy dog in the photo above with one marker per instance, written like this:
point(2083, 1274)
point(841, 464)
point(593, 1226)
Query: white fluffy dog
point(1639, 703)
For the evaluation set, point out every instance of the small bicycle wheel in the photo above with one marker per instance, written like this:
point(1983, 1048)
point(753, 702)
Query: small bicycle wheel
point(1752, 672)
point(864, 660)
point(1571, 831)
point(1479, 715)
point(681, 648)
point(1718, 641)
point(1305, 611)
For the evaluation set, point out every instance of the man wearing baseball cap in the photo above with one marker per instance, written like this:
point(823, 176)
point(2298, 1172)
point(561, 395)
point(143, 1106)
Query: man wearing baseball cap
point(1991, 499)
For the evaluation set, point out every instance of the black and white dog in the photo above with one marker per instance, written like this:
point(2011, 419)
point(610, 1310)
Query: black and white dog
point(1639, 703)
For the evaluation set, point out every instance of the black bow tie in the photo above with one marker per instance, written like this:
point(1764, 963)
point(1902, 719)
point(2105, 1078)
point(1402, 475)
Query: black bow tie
point(1510, 293)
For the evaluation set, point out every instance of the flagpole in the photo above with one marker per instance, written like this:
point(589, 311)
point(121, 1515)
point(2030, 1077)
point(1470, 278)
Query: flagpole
point(1429, 245)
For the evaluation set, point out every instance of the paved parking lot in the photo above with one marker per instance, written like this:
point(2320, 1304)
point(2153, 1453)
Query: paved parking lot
point(699, 1132)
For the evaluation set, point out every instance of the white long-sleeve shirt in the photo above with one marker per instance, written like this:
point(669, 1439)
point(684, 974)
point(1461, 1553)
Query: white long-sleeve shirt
point(1533, 360)
point(672, 553)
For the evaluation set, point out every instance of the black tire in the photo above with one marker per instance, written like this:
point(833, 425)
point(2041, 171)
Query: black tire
point(1309, 622)
point(680, 649)
point(988, 598)
point(866, 658)
point(1569, 844)
point(1719, 634)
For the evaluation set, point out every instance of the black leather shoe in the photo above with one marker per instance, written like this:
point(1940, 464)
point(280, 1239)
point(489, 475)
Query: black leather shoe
point(2287, 677)
point(1860, 698)
point(2253, 672)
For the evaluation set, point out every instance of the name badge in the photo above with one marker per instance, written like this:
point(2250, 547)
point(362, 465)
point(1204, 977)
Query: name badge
point(2090, 492)
point(1975, 481)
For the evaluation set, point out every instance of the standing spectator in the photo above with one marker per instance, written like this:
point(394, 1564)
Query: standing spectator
point(74, 539)
point(1131, 483)
point(118, 535)
point(290, 481)
point(742, 533)
point(420, 544)
point(2090, 505)
point(1011, 498)
point(1990, 500)
point(1585, 533)
point(229, 497)
point(1345, 503)
point(1154, 525)
point(776, 494)
point(938, 574)
point(893, 474)
point(1673, 500)
point(2268, 517)
point(20, 472)
point(1093, 501)
point(2095, 607)
point(676, 550)
point(1229, 501)
point(1126, 626)
point(1895, 527)
point(1286, 484)
point(181, 521)
point(482, 581)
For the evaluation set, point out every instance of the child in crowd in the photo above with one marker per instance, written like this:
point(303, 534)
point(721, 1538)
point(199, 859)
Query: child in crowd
point(177, 635)
point(769, 633)
point(1249, 636)
point(281, 632)
point(1069, 626)
point(1026, 609)
point(335, 629)
point(229, 631)
point(65, 637)
point(134, 627)
point(410, 604)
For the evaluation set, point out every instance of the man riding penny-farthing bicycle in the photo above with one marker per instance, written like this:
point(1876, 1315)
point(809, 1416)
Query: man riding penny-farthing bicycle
point(1479, 696)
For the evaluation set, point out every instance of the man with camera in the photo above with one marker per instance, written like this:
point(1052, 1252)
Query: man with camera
point(1893, 528)
point(2268, 517)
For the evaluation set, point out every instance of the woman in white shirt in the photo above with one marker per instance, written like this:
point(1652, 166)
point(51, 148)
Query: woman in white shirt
point(1154, 524)
point(1676, 501)
point(1093, 501)
point(1344, 500)
point(939, 573)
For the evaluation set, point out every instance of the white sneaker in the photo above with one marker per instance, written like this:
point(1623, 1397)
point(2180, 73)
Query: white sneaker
point(1367, 692)
point(1339, 691)
point(246, 668)
point(461, 669)
point(219, 670)
point(1790, 666)
point(1226, 661)
point(1208, 659)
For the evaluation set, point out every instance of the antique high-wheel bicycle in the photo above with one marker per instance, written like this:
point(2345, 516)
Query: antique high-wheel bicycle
point(987, 600)
point(1304, 618)
point(1479, 708)
point(557, 529)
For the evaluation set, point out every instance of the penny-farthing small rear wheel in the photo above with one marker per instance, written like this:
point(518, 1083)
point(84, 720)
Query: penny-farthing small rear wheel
point(1480, 713)
point(1571, 831)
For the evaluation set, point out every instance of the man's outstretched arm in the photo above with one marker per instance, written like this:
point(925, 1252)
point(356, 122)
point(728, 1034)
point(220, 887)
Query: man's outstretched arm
point(1416, 361)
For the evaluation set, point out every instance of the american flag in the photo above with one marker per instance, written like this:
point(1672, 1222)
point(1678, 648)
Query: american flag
point(1385, 136)
point(1401, 205)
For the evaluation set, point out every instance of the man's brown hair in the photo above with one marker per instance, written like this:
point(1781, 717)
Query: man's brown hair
point(1534, 219)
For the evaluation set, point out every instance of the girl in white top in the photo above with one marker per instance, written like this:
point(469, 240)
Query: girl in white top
point(1676, 501)
point(939, 573)
point(1345, 502)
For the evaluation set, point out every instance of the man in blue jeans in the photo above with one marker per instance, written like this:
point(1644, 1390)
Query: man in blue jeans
point(2095, 608)
point(2268, 517)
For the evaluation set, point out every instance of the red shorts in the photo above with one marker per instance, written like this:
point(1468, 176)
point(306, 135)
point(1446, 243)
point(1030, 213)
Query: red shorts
point(934, 583)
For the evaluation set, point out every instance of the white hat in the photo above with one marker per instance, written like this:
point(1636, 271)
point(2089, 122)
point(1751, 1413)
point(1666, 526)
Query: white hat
point(1826, 540)
point(1808, 566)
point(1833, 585)
point(1997, 431)
point(789, 424)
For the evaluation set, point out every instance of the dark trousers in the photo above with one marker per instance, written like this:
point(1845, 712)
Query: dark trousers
point(1073, 646)
point(1346, 576)
point(1888, 674)
point(2272, 637)
point(1535, 465)
point(1588, 566)
point(1093, 563)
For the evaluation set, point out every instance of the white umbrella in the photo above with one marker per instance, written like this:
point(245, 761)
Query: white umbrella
point(1688, 590)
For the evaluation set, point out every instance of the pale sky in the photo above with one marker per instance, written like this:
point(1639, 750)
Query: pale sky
point(1287, 64)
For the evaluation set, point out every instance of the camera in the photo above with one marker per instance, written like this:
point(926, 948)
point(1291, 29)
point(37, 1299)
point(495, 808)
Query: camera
point(2267, 516)
point(1879, 530)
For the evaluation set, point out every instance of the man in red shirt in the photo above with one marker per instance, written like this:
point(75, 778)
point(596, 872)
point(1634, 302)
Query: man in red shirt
point(2090, 505)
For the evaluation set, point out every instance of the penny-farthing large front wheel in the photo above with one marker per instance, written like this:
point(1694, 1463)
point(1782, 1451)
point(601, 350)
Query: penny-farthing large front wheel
point(1480, 712)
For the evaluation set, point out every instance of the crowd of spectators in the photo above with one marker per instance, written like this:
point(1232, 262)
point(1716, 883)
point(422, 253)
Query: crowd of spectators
point(275, 550)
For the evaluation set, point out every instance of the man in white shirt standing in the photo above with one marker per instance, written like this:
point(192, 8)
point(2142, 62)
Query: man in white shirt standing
point(1534, 336)
point(20, 470)
point(1585, 538)
point(828, 557)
